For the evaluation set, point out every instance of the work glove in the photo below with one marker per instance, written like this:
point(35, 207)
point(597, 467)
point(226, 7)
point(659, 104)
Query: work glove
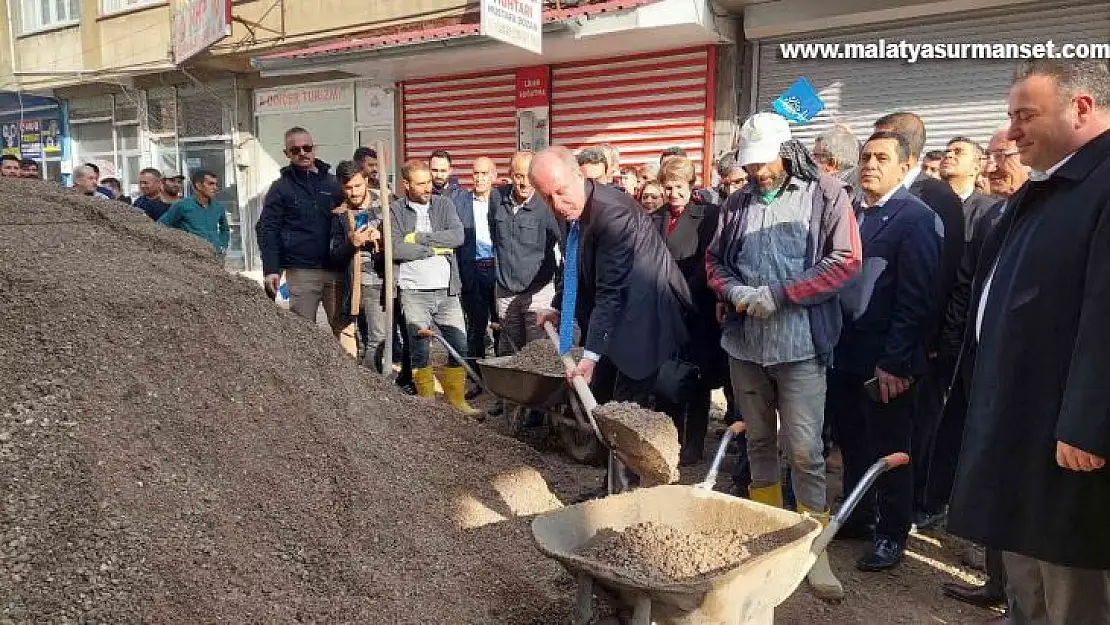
point(410, 238)
point(760, 303)
point(442, 251)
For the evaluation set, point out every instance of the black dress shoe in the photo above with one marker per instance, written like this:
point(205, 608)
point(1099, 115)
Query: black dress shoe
point(985, 596)
point(929, 520)
point(885, 554)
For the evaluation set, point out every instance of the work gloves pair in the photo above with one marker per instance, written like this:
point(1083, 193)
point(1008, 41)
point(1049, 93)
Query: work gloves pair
point(438, 251)
point(758, 302)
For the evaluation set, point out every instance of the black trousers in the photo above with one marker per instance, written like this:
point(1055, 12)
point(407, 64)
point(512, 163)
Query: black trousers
point(946, 450)
point(479, 307)
point(609, 384)
point(928, 411)
point(691, 417)
point(866, 431)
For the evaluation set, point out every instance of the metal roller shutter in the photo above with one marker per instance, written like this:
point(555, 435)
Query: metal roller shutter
point(962, 97)
point(469, 116)
point(640, 104)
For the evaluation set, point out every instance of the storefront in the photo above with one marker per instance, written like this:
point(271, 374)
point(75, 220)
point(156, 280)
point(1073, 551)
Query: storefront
point(33, 127)
point(176, 129)
point(954, 97)
point(641, 104)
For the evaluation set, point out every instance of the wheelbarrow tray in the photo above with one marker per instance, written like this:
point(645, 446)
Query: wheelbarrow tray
point(527, 388)
point(747, 593)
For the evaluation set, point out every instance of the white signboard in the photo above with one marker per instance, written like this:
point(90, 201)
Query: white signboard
point(304, 98)
point(516, 22)
point(198, 24)
point(374, 105)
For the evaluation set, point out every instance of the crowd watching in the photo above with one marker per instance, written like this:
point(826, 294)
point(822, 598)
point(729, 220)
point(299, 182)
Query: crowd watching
point(856, 296)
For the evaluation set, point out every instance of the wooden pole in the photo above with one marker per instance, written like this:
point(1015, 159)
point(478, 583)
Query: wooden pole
point(387, 246)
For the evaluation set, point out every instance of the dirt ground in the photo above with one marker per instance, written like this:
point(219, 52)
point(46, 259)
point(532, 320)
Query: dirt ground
point(910, 594)
point(176, 449)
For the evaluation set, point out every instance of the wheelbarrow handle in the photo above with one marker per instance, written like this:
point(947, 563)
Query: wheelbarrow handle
point(734, 430)
point(429, 333)
point(882, 465)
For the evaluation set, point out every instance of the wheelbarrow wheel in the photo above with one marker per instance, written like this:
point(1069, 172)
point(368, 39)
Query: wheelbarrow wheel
point(582, 446)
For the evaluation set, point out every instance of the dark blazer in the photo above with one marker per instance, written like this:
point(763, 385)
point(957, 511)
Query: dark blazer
point(632, 299)
point(955, 317)
point(976, 206)
point(940, 197)
point(694, 231)
point(1042, 365)
point(901, 253)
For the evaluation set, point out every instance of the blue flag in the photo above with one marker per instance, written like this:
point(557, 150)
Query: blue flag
point(800, 103)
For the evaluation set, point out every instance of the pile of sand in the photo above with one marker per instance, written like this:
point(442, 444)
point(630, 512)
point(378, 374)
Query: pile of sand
point(176, 449)
point(665, 554)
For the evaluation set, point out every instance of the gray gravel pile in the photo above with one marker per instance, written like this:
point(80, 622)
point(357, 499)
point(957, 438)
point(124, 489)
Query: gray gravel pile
point(539, 356)
point(661, 553)
point(176, 449)
point(645, 440)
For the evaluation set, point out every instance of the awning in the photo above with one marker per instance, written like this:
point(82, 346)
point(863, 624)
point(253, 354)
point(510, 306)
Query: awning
point(421, 53)
point(13, 101)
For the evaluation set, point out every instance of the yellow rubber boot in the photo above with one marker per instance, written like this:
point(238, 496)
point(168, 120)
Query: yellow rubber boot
point(769, 495)
point(425, 381)
point(454, 389)
point(821, 578)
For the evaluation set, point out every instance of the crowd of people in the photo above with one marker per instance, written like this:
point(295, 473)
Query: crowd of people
point(161, 199)
point(859, 295)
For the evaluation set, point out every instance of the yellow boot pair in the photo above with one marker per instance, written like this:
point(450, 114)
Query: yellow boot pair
point(821, 578)
point(454, 387)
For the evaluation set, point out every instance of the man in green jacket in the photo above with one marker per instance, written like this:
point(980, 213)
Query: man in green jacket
point(201, 214)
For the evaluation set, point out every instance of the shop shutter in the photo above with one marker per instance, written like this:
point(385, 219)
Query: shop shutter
point(961, 97)
point(640, 104)
point(469, 116)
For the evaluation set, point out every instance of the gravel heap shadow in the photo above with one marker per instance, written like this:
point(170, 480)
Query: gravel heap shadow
point(176, 449)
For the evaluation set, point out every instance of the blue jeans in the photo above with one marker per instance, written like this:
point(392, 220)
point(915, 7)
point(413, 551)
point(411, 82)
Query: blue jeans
point(425, 308)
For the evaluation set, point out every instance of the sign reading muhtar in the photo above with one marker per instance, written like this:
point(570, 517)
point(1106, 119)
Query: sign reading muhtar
point(198, 24)
point(517, 22)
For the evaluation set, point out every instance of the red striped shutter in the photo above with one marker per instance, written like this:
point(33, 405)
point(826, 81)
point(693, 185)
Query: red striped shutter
point(469, 116)
point(640, 104)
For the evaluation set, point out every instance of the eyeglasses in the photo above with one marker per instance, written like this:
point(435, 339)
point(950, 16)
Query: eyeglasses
point(1000, 155)
point(295, 150)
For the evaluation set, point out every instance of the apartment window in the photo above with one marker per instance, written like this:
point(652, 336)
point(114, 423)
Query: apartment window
point(43, 14)
point(118, 6)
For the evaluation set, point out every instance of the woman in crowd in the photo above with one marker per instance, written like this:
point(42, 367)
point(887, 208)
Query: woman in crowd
point(651, 196)
point(688, 224)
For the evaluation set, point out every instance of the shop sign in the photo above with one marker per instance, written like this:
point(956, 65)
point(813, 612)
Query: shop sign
point(305, 98)
point(516, 22)
point(197, 24)
point(533, 86)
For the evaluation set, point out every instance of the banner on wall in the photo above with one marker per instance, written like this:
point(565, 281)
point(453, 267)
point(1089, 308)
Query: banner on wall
point(32, 138)
point(533, 108)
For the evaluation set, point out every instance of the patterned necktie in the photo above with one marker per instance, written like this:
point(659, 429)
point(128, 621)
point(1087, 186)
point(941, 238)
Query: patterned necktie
point(570, 290)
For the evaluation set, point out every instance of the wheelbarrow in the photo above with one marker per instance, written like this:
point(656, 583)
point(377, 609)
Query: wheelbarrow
point(745, 594)
point(562, 410)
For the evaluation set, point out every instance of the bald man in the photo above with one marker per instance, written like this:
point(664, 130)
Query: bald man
point(619, 282)
point(525, 233)
point(475, 256)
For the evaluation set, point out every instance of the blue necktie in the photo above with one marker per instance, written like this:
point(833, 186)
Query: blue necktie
point(570, 290)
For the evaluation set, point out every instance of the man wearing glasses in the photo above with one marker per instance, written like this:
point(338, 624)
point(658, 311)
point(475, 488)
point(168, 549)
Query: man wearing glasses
point(294, 231)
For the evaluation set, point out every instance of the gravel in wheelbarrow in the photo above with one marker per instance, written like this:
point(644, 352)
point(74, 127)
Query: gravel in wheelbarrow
point(644, 440)
point(540, 357)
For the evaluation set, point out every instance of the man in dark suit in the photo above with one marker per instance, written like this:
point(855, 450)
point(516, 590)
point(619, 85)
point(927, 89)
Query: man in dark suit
point(1032, 479)
point(938, 196)
point(631, 298)
point(882, 345)
point(475, 255)
point(960, 169)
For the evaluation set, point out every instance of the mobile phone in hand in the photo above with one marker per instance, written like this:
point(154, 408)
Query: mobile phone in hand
point(361, 220)
point(872, 388)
